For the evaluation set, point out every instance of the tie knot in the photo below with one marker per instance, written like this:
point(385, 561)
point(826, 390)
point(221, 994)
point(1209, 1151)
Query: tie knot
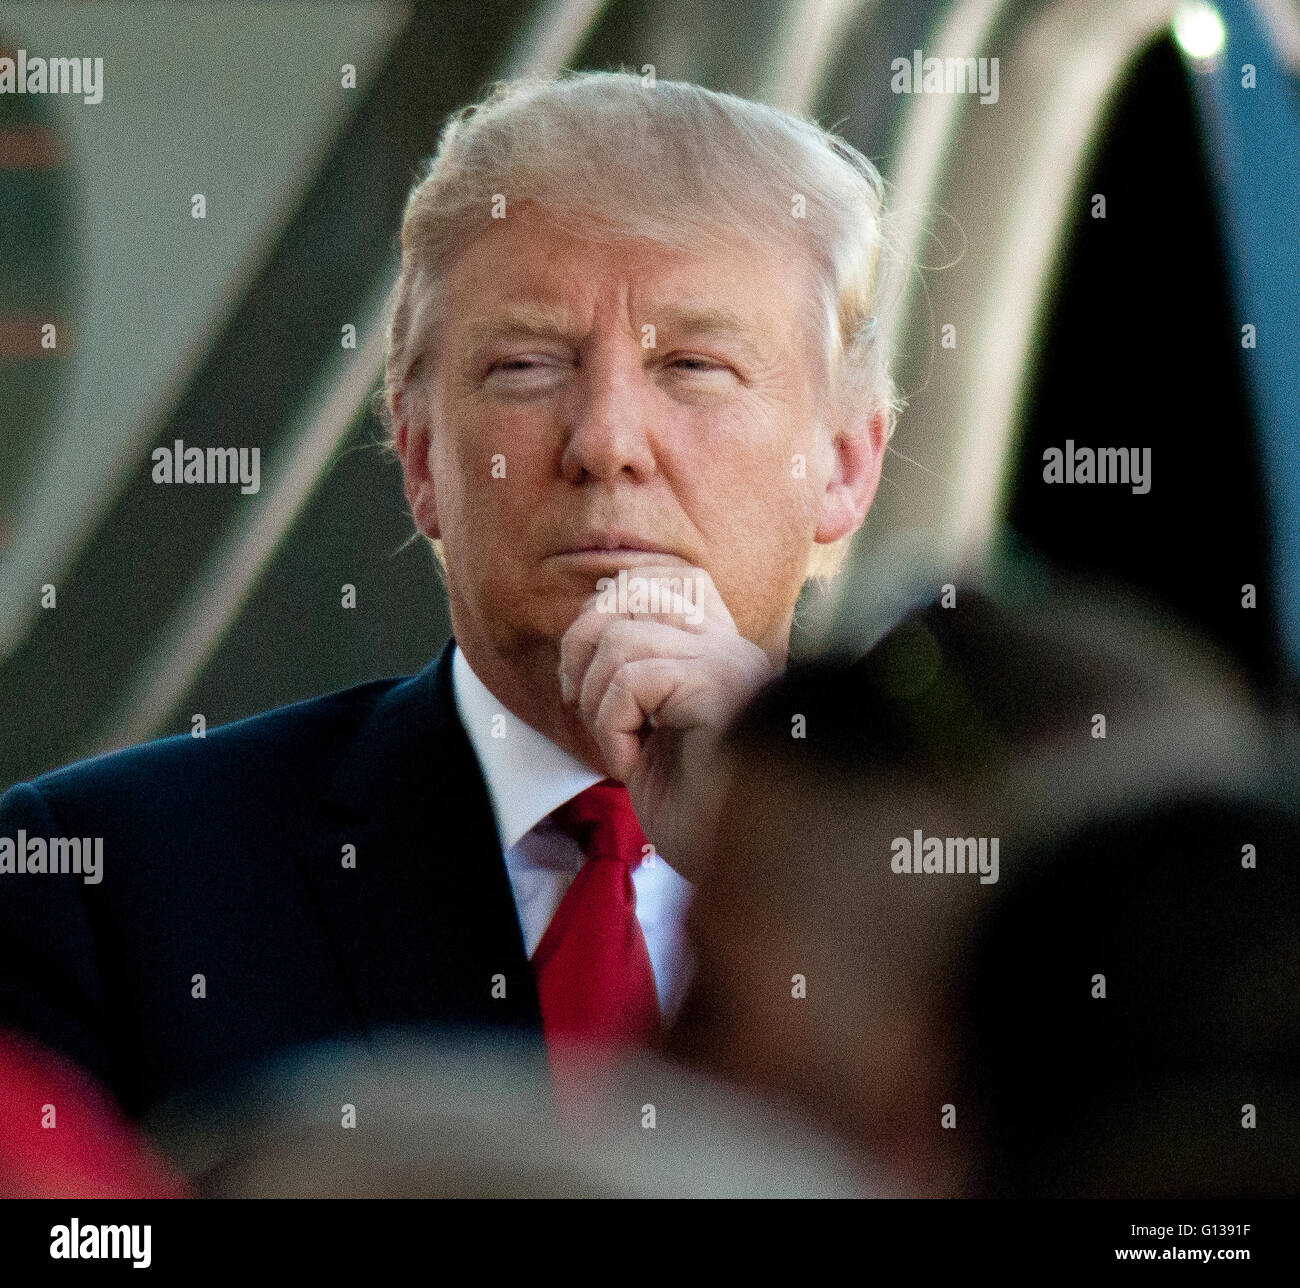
point(603, 822)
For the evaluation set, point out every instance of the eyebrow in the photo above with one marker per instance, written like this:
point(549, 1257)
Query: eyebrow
point(525, 319)
point(531, 319)
point(709, 319)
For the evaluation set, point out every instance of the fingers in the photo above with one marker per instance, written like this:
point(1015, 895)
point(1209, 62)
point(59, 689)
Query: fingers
point(625, 641)
point(636, 690)
point(675, 660)
point(646, 670)
point(683, 598)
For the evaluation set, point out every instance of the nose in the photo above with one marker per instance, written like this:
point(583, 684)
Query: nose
point(608, 422)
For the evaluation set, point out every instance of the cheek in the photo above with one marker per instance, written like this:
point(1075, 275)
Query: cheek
point(743, 464)
point(761, 507)
point(781, 447)
point(492, 466)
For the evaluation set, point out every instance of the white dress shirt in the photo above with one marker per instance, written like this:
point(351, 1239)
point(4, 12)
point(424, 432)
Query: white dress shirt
point(527, 777)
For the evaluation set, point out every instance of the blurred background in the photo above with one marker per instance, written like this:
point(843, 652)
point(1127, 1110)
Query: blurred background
point(1168, 321)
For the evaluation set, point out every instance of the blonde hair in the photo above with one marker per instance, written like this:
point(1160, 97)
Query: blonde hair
point(666, 161)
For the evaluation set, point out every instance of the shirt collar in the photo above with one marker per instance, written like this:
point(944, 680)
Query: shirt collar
point(527, 774)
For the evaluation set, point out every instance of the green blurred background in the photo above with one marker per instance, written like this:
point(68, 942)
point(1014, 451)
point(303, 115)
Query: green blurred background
point(226, 330)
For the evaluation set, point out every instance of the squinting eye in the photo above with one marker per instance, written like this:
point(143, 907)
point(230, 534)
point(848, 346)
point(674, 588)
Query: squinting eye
point(699, 364)
point(539, 372)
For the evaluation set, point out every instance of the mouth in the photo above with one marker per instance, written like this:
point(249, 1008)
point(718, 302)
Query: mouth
point(612, 545)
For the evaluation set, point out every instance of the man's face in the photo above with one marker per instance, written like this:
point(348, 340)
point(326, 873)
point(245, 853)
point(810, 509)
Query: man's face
point(593, 406)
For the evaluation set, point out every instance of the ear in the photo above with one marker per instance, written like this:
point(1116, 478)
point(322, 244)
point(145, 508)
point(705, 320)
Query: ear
point(412, 442)
point(857, 458)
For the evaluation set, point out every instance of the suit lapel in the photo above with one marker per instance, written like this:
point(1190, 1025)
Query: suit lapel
point(424, 927)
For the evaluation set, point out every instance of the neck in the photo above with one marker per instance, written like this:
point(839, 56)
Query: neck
point(525, 680)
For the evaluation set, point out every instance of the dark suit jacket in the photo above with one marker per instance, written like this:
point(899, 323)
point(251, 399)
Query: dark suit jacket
point(223, 857)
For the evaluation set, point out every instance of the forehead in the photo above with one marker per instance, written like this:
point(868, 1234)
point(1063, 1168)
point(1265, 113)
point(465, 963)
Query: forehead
point(526, 269)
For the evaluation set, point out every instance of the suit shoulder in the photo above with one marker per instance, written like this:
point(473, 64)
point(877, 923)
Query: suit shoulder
point(305, 734)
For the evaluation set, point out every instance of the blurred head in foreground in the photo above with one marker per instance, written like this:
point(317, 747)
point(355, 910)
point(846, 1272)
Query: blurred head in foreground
point(978, 902)
point(420, 1115)
point(1130, 1010)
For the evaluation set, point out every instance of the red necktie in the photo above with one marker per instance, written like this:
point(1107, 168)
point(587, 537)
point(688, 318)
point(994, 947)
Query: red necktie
point(594, 979)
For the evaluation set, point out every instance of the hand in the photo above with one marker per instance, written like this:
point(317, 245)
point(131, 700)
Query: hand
point(656, 686)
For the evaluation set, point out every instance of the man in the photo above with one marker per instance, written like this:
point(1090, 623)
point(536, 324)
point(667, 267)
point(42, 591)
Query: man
point(636, 393)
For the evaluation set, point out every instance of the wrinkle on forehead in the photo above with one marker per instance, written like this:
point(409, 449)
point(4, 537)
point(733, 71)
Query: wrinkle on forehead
point(541, 298)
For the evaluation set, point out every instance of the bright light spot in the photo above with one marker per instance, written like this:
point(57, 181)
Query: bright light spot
point(1199, 30)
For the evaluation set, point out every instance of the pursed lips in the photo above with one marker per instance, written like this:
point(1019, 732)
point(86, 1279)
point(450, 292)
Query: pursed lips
point(613, 543)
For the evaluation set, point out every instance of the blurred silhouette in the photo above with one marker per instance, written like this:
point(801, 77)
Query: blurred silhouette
point(423, 1116)
point(1182, 1081)
point(937, 1018)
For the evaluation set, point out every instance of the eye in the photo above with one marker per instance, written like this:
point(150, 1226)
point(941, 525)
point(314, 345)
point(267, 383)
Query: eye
point(691, 363)
point(524, 372)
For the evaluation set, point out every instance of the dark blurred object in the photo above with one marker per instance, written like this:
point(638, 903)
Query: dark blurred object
point(1171, 378)
point(1183, 1080)
point(980, 721)
point(61, 1136)
point(465, 1119)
